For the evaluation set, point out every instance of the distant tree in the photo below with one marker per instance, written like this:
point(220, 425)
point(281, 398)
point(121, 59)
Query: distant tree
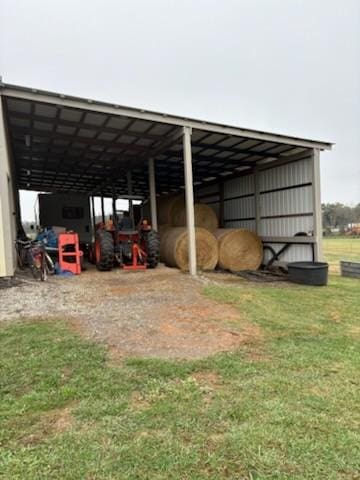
point(357, 213)
point(338, 215)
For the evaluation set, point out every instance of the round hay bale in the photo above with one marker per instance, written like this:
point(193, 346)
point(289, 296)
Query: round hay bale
point(205, 217)
point(174, 249)
point(239, 249)
point(162, 229)
point(168, 207)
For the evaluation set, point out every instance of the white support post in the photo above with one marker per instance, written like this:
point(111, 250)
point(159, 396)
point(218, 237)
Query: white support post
point(102, 209)
point(257, 201)
point(93, 218)
point(152, 190)
point(7, 206)
point(130, 192)
point(189, 199)
point(317, 214)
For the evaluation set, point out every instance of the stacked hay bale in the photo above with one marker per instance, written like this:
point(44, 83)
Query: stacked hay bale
point(162, 229)
point(172, 211)
point(229, 249)
point(169, 208)
point(174, 248)
point(204, 217)
point(174, 238)
point(239, 249)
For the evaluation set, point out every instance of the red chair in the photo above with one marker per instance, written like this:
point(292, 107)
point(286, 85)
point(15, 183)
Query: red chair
point(69, 253)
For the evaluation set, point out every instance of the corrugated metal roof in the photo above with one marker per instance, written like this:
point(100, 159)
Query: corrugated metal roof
point(65, 143)
point(9, 89)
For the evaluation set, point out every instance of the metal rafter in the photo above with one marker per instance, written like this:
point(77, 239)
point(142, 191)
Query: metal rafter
point(90, 126)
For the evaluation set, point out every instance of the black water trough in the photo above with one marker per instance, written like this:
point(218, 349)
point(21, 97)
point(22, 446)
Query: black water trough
point(309, 273)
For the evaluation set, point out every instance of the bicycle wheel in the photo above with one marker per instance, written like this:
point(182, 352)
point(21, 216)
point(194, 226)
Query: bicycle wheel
point(44, 267)
point(50, 264)
point(35, 265)
point(36, 272)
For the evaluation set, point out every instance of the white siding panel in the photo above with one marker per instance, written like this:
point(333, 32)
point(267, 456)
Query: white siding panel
point(239, 208)
point(286, 227)
point(286, 175)
point(239, 186)
point(290, 201)
point(296, 253)
point(287, 202)
point(248, 224)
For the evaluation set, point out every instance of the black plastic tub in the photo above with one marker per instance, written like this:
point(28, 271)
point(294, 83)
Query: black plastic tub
point(309, 273)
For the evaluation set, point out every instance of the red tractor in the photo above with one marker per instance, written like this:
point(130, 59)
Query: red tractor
point(130, 249)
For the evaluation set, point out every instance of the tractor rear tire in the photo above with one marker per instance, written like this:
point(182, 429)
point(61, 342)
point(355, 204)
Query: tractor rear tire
point(104, 250)
point(152, 243)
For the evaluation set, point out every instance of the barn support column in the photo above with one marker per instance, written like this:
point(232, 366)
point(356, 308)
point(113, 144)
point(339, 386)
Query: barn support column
point(317, 215)
point(257, 201)
point(221, 205)
point(130, 192)
point(93, 214)
point(102, 209)
point(189, 199)
point(7, 204)
point(152, 190)
point(113, 203)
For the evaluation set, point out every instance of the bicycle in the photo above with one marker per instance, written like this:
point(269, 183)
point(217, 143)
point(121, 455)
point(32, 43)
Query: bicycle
point(33, 254)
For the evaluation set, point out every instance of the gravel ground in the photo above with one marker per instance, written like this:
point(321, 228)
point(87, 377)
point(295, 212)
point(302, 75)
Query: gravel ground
point(156, 313)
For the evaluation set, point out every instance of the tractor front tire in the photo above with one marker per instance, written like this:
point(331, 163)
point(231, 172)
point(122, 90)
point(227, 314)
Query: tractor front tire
point(152, 243)
point(104, 250)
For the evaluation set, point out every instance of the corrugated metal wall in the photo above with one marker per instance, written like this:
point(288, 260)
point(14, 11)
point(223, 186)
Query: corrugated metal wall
point(239, 203)
point(286, 204)
point(211, 196)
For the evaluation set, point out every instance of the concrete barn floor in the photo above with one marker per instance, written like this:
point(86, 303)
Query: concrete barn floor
point(156, 313)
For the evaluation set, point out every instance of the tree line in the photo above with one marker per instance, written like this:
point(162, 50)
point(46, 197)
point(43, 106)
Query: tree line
point(340, 216)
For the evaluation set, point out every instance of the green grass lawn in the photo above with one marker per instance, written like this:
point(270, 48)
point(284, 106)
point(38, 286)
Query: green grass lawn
point(284, 407)
point(341, 248)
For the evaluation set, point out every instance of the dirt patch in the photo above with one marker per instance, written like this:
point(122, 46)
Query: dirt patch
point(157, 313)
point(258, 355)
point(120, 291)
point(66, 374)
point(51, 423)
point(208, 379)
point(335, 317)
point(138, 401)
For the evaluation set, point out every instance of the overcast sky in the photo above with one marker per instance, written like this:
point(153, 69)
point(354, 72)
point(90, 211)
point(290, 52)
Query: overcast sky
point(287, 66)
